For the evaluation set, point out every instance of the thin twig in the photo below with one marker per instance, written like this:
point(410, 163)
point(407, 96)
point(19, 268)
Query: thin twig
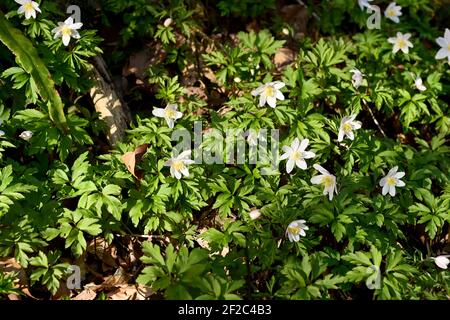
point(373, 118)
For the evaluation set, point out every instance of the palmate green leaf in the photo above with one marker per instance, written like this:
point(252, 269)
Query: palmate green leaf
point(29, 60)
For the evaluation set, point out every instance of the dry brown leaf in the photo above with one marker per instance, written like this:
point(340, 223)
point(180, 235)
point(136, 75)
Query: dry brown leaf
point(131, 158)
point(284, 57)
point(86, 294)
point(10, 265)
point(131, 292)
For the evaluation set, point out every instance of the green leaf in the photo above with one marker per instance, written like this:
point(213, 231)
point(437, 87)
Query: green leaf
point(29, 60)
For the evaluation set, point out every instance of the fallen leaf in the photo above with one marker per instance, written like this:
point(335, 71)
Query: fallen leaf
point(131, 158)
point(283, 57)
point(86, 294)
point(10, 265)
point(131, 292)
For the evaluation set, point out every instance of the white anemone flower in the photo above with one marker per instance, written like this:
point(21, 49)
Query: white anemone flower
point(364, 4)
point(179, 165)
point(357, 78)
point(269, 93)
point(418, 83)
point(401, 42)
point(442, 261)
point(393, 12)
point(348, 124)
point(444, 43)
point(296, 154)
point(392, 180)
point(326, 179)
point(169, 113)
point(26, 135)
point(66, 30)
point(28, 7)
point(296, 229)
point(255, 214)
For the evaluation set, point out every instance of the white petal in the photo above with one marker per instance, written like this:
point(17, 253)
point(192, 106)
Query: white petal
point(392, 190)
point(447, 35)
point(308, 154)
point(278, 85)
point(442, 53)
point(284, 156)
point(170, 122)
point(185, 171)
point(441, 42)
point(383, 182)
point(178, 114)
point(272, 102)
point(177, 174)
point(341, 134)
point(295, 144)
point(168, 163)
point(185, 155)
point(330, 195)
point(400, 183)
point(68, 21)
point(442, 262)
point(262, 100)
point(302, 164)
point(66, 39)
point(279, 95)
point(289, 165)
point(159, 112)
point(392, 171)
point(304, 144)
point(399, 175)
point(321, 169)
point(350, 135)
point(258, 91)
point(356, 125)
point(317, 179)
point(75, 34)
point(385, 189)
point(77, 25)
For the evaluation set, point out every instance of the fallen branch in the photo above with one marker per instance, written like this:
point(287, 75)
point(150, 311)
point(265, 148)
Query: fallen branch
point(107, 101)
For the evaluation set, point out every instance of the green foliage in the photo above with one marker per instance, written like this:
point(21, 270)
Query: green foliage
point(221, 232)
point(40, 80)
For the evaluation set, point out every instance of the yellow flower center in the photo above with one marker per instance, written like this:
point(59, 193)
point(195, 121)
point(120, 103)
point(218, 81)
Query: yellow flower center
point(391, 181)
point(178, 165)
point(170, 113)
point(28, 6)
point(294, 230)
point(401, 43)
point(448, 47)
point(391, 13)
point(327, 181)
point(347, 127)
point(296, 155)
point(66, 31)
point(269, 91)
